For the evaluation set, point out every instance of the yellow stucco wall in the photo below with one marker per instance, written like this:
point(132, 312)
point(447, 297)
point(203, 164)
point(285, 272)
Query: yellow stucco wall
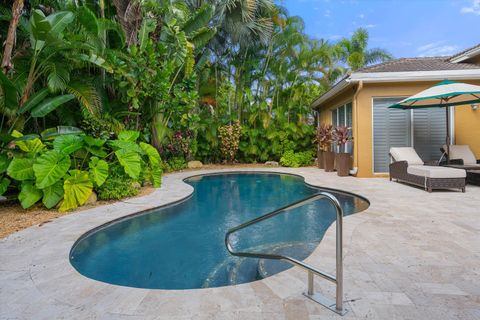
point(467, 122)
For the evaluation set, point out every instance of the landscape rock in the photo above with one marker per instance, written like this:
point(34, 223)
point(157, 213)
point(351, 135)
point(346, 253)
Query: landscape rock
point(92, 199)
point(194, 164)
point(271, 163)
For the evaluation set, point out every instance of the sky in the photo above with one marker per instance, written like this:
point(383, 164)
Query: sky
point(405, 28)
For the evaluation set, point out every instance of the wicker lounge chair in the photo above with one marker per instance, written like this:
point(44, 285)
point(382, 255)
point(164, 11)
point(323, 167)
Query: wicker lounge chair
point(461, 157)
point(409, 168)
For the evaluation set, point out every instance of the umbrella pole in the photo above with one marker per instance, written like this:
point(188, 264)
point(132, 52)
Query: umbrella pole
point(448, 134)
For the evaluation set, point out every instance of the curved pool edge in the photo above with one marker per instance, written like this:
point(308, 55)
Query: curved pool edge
point(195, 175)
point(47, 258)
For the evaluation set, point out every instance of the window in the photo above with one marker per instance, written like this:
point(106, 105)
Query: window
point(342, 116)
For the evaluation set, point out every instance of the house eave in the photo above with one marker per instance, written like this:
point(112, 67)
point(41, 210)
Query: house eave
point(467, 55)
point(407, 76)
point(339, 87)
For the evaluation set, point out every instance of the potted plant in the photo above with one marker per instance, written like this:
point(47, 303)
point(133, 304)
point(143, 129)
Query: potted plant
point(342, 158)
point(326, 158)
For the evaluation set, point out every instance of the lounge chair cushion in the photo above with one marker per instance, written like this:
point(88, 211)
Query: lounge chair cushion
point(406, 154)
point(461, 152)
point(436, 172)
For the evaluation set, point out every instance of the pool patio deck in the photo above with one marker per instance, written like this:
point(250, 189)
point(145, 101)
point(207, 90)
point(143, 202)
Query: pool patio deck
point(410, 255)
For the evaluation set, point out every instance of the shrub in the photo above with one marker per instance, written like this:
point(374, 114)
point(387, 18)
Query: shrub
point(295, 160)
point(229, 140)
point(325, 136)
point(118, 185)
point(174, 164)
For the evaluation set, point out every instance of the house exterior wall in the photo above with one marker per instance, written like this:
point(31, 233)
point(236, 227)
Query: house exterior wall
point(467, 122)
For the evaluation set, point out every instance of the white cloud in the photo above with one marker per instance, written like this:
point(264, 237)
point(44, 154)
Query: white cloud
point(361, 16)
point(437, 49)
point(473, 8)
point(327, 13)
point(370, 26)
point(334, 37)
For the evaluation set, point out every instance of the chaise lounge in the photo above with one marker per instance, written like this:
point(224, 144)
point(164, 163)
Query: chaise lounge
point(461, 157)
point(409, 168)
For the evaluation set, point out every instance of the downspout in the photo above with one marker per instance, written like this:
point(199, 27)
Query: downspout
point(354, 171)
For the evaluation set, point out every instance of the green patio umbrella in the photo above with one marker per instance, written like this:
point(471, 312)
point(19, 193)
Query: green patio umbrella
point(443, 95)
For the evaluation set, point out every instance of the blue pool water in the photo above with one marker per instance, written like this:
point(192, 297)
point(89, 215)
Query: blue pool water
point(182, 246)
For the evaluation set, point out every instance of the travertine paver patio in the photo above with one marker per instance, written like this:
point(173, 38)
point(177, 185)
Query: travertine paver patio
point(411, 255)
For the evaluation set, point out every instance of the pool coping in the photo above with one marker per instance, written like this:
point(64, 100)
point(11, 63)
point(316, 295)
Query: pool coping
point(43, 253)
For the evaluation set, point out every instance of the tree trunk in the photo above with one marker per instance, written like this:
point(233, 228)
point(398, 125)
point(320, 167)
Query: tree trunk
point(17, 8)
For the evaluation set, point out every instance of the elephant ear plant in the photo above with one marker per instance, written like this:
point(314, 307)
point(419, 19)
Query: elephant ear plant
point(64, 169)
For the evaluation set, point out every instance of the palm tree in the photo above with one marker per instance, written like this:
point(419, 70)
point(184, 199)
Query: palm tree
point(356, 54)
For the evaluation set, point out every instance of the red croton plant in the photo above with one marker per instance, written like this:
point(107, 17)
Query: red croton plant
point(342, 136)
point(325, 136)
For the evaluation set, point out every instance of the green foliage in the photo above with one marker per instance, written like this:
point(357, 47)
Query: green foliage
point(295, 160)
point(174, 164)
point(118, 185)
point(70, 167)
point(77, 189)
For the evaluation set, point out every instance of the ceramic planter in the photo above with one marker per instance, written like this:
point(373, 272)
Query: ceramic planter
point(342, 160)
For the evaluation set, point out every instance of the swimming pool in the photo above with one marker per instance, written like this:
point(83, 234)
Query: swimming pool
point(182, 246)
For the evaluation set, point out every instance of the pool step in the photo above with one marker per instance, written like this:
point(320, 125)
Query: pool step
point(297, 250)
point(235, 270)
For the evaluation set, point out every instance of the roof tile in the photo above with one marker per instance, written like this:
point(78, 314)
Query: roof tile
point(418, 64)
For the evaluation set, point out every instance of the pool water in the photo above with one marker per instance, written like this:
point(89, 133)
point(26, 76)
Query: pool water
point(182, 246)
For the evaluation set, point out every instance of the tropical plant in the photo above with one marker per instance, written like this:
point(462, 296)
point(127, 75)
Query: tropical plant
point(342, 136)
point(295, 160)
point(355, 51)
point(67, 168)
point(325, 136)
point(229, 140)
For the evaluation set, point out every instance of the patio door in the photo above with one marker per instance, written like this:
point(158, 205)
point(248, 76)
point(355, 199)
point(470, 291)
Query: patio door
point(423, 129)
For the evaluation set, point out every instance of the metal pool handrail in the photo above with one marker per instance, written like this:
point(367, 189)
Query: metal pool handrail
point(337, 305)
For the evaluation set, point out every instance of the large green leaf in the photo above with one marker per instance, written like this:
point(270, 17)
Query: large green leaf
point(88, 20)
point(128, 135)
point(9, 92)
point(40, 27)
point(4, 162)
point(29, 194)
point(94, 142)
point(59, 131)
point(151, 152)
point(21, 169)
point(50, 167)
point(98, 170)
point(59, 21)
point(4, 183)
point(127, 145)
point(97, 151)
point(130, 161)
point(77, 188)
point(68, 144)
point(33, 101)
point(29, 143)
point(156, 175)
point(53, 194)
point(148, 26)
point(154, 160)
point(200, 19)
point(51, 104)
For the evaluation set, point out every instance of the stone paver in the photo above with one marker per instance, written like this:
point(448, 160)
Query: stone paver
point(411, 255)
